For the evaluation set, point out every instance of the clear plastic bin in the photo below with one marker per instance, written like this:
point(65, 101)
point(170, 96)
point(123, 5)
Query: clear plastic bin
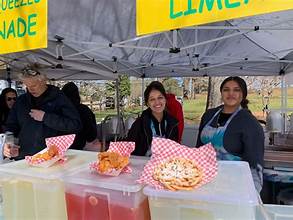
point(274, 212)
point(93, 196)
point(1, 204)
point(230, 196)
point(38, 193)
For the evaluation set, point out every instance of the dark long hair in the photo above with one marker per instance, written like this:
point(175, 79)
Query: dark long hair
point(4, 110)
point(242, 84)
point(72, 93)
point(155, 85)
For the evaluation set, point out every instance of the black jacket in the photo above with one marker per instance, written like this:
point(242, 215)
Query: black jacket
point(4, 111)
point(60, 118)
point(141, 133)
point(88, 132)
point(244, 136)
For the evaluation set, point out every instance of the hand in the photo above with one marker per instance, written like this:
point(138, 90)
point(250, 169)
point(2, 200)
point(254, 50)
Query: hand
point(10, 150)
point(38, 115)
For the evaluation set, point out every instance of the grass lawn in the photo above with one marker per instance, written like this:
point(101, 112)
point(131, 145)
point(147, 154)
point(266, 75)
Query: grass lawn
point(100, 115)
point(194, 108)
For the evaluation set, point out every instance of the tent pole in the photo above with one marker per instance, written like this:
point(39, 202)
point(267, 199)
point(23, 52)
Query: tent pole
point(168, 38)
point(214, 40)
point(142, 48)
point(142, 89)
point(131, 68)
point(8, 78)
point(118, 127)
point(282, 93)
point(120, 42)
point(252, 28)
point(174, 42)
point(283, 102)
point(138, 38)
point(251, 59)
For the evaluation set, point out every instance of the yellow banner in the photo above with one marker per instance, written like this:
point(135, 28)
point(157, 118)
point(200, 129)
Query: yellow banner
point(23, 25)
point(162, 15)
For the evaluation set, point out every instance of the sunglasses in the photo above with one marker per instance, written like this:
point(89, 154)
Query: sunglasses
point(11, 98)
point(30, 72)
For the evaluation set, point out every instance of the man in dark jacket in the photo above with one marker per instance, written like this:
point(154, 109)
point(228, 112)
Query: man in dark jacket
point(88, 133)
point(42, 112)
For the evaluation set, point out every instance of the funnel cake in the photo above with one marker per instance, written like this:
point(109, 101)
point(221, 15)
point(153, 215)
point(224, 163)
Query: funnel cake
point(178, 174)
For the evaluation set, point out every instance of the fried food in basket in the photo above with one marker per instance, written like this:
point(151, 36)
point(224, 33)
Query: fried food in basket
point(111, 160)
point(47, 155)
point(178, 174)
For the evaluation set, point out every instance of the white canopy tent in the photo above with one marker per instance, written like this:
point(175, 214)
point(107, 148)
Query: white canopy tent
point(97, 40)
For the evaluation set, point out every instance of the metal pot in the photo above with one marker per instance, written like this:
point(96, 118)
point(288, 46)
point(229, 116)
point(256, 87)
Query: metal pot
point(128, 122)
point(112, 126)
point(291, 123)
point(275, 122)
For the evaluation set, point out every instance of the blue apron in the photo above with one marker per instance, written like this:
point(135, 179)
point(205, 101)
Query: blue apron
point(215, 136)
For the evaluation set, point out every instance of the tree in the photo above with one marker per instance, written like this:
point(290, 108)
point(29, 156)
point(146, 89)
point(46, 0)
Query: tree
point(171, 85)
point(110, 88)
point(264, 87)
point(186, 90)
point(123, 86)
point(90, 90)
point(214, 94)
point(194, 85)
point(200, 85)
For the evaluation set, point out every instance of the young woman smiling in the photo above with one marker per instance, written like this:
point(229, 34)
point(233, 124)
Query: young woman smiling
point(153, 122)
point(233, 131)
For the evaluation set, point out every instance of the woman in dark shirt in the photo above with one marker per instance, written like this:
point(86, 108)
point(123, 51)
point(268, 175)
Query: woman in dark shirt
point(233, 130)
point(153, 122)
point(7, 99)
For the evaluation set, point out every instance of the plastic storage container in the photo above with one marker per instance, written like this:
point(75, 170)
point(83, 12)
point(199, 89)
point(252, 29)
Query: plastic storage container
point(1, 212)
point(285, 196)
point(92, 196)
point(230, 196)
point(1, 204)
point(274, 212)
point(38, 193)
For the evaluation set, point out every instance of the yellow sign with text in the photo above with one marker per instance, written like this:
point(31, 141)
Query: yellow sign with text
point(161, 15)
point(23, 25)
